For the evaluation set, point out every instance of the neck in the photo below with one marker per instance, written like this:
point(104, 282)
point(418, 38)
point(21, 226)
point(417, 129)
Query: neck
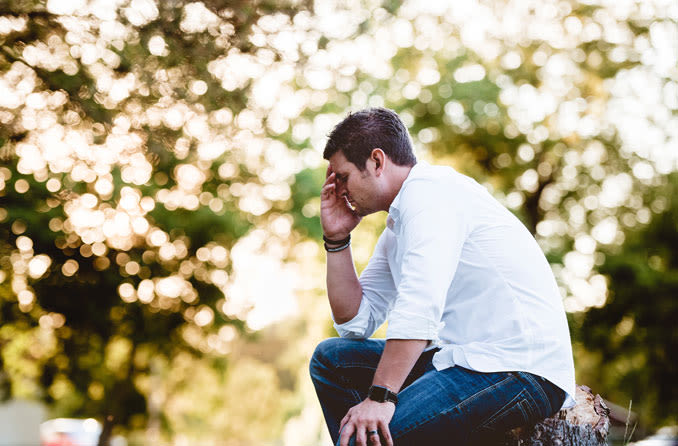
point(398, 176)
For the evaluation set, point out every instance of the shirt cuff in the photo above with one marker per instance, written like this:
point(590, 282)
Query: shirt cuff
point(402, 325)
point(356, 327)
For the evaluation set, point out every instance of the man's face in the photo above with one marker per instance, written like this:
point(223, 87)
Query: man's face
point(359, 187)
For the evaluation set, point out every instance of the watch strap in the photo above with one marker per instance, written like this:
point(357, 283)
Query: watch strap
point(381, 394)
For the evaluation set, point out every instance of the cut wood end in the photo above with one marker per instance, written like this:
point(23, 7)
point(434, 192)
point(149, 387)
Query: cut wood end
point(590, 414)
point(590, 409)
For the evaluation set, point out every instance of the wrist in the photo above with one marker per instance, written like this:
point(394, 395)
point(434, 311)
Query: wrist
point(337, 238)
point(336, 241)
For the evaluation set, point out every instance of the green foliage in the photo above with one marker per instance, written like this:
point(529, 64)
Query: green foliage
point(103, 336)
point(307, 183)
point(633, 330)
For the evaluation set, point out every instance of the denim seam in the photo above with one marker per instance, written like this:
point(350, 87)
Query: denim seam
point(539, 389)
point(517, 402)
point(484, 391)
point(356, 365)
point(457, 406)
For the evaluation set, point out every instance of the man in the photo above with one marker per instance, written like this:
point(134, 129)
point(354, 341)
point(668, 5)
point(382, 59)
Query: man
point(477, 339)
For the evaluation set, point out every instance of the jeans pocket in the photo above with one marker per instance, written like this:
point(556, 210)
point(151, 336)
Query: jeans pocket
point(516, 412)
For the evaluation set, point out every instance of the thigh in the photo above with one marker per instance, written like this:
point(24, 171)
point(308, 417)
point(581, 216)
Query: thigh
point(457, 404)
point(354, 361)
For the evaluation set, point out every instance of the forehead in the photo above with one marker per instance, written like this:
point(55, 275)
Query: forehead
point(340, 164)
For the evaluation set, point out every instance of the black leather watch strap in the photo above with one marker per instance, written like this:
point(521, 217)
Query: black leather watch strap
point(382, 394)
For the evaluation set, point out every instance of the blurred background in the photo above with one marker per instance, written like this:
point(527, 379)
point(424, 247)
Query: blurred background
point(161, 274)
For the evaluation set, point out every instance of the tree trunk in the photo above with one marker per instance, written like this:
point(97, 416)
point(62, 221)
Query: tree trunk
point(585, 424)
point(106, 431)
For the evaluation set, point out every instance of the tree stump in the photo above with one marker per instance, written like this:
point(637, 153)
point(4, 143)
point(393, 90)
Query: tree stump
point(585, 424)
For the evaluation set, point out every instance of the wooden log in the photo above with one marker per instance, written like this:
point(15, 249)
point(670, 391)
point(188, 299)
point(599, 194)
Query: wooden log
point(586, 424)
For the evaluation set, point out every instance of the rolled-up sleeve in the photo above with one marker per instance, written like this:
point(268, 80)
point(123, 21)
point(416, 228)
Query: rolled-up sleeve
point(431, 239)
point(378, 294)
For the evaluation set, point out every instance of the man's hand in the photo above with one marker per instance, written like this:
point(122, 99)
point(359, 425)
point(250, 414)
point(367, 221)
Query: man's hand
point(365, 417)
point(336, 216)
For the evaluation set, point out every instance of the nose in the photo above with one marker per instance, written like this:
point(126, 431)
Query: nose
point(341, 188)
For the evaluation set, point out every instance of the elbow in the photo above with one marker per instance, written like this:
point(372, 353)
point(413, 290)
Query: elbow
point(342, 319)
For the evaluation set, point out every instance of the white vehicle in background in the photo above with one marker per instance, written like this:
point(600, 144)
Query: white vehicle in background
point(70, 432)
point(666, 436)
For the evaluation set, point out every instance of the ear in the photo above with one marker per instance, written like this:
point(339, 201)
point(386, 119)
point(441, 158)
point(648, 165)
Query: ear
point(379, 158)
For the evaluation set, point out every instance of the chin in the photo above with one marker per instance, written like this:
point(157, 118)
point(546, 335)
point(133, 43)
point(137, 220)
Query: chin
point(362, 212)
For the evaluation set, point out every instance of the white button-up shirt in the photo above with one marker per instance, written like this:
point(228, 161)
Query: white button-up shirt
point(455, 267)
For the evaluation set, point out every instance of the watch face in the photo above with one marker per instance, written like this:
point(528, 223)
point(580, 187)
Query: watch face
point(378, 394)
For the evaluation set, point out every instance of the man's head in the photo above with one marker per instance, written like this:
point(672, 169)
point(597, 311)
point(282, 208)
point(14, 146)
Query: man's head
point(361, 132)
point(370, 154)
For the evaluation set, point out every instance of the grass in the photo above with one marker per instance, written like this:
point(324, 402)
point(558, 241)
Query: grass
point(627, 436)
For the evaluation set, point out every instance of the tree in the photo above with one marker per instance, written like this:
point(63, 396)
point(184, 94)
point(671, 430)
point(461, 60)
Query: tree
point(632, 334)
point(135, 156)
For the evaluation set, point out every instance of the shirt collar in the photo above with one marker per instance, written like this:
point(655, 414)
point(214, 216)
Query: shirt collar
point(393, 219)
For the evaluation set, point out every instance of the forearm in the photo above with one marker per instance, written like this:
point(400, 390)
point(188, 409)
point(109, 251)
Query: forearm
point(396, 362)
point(343, 287)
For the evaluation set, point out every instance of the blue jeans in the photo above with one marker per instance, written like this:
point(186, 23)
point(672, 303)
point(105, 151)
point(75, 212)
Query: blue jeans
point(455, 406)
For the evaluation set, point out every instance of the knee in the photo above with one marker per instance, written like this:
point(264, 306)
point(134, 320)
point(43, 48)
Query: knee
point(324, 353)
point(336, 352)
point(330, 354)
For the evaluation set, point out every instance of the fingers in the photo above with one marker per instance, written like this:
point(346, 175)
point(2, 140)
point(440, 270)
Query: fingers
point(361, 436)
point(364, 436)
point(373, 436)
point(331, 178)
point(349, 429)
point(344, 421)
point(385, 432)
point(328, 192)
point(329, 187)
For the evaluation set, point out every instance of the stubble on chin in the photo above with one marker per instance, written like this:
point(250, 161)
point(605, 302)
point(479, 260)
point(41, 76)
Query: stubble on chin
point(360, 212)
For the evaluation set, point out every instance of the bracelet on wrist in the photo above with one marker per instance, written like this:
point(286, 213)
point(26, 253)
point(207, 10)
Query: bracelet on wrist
point(337, 242)
point(337, 248)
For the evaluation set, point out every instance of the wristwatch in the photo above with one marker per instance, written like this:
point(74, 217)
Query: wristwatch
point(382, 394)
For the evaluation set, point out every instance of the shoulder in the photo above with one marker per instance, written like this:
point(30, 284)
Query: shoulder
point(438, 195)
point(429, 183)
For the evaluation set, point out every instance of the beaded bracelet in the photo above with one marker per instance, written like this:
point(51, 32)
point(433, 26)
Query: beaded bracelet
point(337, 242)
point(339, 248)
